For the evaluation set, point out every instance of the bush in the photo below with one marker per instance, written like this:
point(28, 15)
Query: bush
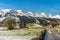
point(10, 23)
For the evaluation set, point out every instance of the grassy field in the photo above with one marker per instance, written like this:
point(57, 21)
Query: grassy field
point(22, 32)
point(32, 30)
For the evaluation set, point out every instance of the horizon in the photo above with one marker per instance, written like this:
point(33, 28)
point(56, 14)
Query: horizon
point(46, 6)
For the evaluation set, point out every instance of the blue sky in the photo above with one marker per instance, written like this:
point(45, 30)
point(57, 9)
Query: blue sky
point(47, 6)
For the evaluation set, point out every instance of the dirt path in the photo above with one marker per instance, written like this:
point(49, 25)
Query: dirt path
point(15, 37)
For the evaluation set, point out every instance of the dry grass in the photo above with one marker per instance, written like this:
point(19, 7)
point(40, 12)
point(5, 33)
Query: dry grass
point(23, 32)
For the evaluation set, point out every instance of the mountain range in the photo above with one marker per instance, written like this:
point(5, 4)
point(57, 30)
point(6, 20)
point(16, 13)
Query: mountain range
point(3, 13)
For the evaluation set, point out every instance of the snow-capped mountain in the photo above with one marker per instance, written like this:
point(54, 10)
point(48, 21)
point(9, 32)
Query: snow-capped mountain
point(36, 15)
point(42, 14)
point(5, 12)
point(54, 16)
point(29, 14)
point(19, 12)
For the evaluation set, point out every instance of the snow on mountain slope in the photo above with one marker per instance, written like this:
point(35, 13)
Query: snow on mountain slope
point(3, 13)
point(55, 16)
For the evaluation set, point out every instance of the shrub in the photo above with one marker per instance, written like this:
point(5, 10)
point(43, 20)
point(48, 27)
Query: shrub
point(10, 23)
